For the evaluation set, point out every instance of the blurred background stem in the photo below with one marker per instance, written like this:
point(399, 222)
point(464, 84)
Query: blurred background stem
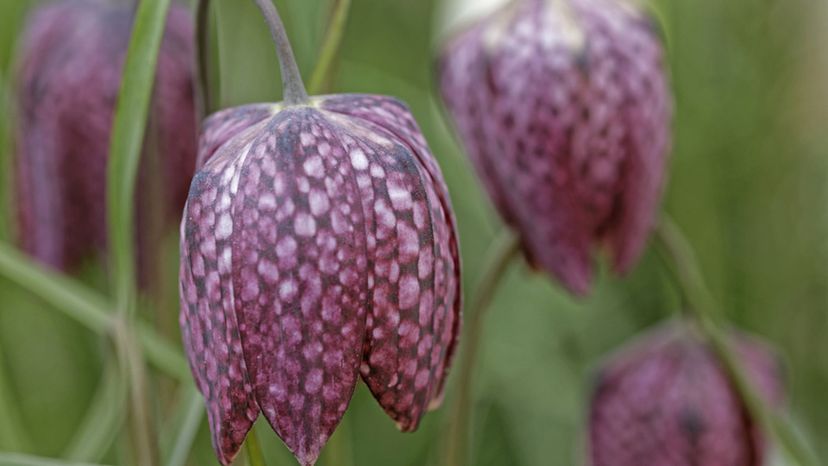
point(679, 256)
point(186, 422)
point(500, 256)
point(144, 443)
point(202, 86)
point(323, 73)
point(13, 434)
point(126, 147)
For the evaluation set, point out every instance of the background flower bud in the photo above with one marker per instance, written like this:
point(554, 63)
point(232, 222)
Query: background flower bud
point(69, 76)
point(318, 245)
point(666, 400)
point(564, 110)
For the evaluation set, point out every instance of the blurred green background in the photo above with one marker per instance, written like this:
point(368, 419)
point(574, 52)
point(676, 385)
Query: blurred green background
point(749, 184)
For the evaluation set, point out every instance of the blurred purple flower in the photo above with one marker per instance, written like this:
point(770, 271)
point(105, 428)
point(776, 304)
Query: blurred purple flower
point(564, 110)
point(71, 58)
point(666, 400)
point(318, 244)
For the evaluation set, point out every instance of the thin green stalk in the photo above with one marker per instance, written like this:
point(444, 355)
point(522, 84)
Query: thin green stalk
point(128, 131)
point(7, 222)
point(86, 307)
point(13, 434)
point(501, 254)
point(162, 354)
point(330, 47)
point(76, 301)
point(203, 89)
point(680, 258)
point(189, 417)
point(132, 366)
point(14, 459)
point(253, 449)
point(103, 420)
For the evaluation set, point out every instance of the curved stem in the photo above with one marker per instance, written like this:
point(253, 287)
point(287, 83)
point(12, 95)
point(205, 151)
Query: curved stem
point(188, 419)
point(86, 307)
point(293, 89)
point(132, 365)
point(127, 141)
point(203, 92)
point(13, 434)
point(501, 254)
point(330, 47)
point(680, 258)
point(103, 419)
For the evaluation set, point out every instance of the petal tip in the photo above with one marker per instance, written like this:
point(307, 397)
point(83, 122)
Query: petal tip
point(437, 401)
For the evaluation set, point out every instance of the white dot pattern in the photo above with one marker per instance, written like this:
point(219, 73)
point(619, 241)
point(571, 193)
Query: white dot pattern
point(70, 57)
point(564, 110)
point(340, 258)
point(667, 401)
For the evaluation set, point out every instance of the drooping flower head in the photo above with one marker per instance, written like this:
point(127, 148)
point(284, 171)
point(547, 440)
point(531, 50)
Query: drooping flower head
point(667, 400)
point(563, 108)
point(318, 246)
point(71, 58)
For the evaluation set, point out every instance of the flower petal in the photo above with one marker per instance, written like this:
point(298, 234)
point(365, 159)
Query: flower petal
point(527, 153)
point(459, 68)
point(626, 74)
point(70, 72)
point(564, 109)
point(224, 125)
point(208, 318)
point(300, 276)
point(416, 313)
point(667, 400)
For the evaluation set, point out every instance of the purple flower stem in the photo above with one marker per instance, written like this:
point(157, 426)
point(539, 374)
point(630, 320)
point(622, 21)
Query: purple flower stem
point(680, 258)
point(293, 88)
point(503, 251)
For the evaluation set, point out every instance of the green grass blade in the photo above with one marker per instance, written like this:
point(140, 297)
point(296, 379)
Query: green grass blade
point(73, 299)
point(103, 420)
point(129, 127)
point(85, 306)
point(14, 459)
point(13, 434)
point(162, 354)
point(5, 157)
point(186, 423)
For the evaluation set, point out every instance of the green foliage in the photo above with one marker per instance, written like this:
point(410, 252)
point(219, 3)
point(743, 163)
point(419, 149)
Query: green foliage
point(749, 184)
point(128, 131)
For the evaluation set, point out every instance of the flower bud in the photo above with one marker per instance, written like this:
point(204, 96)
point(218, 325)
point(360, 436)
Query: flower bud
point(318, 245)
point(564, 110)
point(69, 76)
point(667, 400)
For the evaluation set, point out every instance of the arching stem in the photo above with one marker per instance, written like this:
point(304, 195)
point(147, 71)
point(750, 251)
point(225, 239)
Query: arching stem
point(501, 254)
point(293, 89)
point(681, 260)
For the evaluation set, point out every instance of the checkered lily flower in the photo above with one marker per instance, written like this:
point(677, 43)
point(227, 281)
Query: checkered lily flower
point(563, 108)
point(69, 75)
point(667, 400)
point(318, 246)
